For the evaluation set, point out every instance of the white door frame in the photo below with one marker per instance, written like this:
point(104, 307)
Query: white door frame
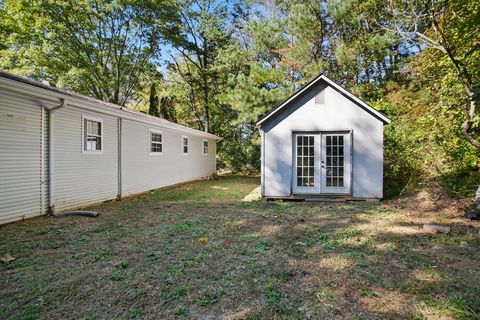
point(320, 186)
point(315, 188)
point(346, 177)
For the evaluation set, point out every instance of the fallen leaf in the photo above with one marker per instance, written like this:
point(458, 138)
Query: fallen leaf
point(203, 240)
point(7, 258)
point(226, 242)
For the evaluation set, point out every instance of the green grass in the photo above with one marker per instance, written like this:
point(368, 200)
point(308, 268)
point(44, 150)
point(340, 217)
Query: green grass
point(227, 189)
point(143, 258)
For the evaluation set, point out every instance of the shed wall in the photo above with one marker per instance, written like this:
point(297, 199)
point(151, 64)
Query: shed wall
point(20, 158)
point(142, 171)
point(337, 113)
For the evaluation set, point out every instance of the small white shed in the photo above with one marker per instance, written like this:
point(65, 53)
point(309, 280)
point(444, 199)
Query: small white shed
point(61, 150)
point(322, 142)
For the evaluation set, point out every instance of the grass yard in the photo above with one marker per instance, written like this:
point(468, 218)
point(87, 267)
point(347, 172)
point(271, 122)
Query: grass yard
point(199, 251)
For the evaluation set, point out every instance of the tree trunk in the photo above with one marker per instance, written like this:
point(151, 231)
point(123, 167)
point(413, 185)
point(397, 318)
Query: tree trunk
point(465, 79)
point(467, 124)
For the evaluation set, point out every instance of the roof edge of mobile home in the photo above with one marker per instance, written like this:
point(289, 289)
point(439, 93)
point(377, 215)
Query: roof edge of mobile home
point(48, 96)
point(339, 88)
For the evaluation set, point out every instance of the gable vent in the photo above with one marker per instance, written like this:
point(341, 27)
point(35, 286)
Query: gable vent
point(320, 97)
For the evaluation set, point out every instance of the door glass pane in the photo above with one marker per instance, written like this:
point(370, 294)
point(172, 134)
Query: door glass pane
point(334, 153)
point(305, 160)
point(310, 182)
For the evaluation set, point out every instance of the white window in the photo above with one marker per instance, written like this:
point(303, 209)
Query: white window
point(92, 135)
point(205, 146)
point(185, 144)
point(156, 142)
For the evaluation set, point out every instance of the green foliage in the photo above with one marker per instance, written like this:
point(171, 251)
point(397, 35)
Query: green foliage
point(167, 109)
point(153, 105)
point(424, 141)
point(229, 63)
point(99, 48)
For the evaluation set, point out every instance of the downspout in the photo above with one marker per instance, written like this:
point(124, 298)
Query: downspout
point(262, 162)
point(42, 160)
point(119, 160)
point(51, 172)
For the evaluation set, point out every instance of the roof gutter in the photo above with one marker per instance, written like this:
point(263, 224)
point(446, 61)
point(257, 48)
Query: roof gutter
point(49, 96)
point(51, 162)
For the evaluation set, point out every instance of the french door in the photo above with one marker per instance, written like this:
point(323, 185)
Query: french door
point(322, 163)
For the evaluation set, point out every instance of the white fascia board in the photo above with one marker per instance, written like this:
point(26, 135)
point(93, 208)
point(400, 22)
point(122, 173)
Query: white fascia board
point(49, 99)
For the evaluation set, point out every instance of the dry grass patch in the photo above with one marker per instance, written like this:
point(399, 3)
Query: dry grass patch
point(199, 251)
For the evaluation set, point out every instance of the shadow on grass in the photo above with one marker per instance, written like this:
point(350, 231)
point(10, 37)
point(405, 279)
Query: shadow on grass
point(175, 253)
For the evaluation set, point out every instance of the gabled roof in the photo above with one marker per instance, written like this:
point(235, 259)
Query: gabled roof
point(35, 88)
point(339, 88)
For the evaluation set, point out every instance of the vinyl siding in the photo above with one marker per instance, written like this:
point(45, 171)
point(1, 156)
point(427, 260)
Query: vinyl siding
point(142, 171)
point(20, 158)
point(83, 178)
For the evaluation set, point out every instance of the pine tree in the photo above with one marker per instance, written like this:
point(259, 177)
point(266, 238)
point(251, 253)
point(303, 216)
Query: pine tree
point(153, 106)
point(167, 109)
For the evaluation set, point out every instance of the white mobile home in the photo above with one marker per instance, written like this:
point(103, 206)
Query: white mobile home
point(60, 150)
point(322, 142)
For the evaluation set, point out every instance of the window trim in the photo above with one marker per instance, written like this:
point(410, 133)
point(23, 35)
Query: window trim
point(187, 145)
point(150, 152)
point(102, 137)
point(203, 147)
